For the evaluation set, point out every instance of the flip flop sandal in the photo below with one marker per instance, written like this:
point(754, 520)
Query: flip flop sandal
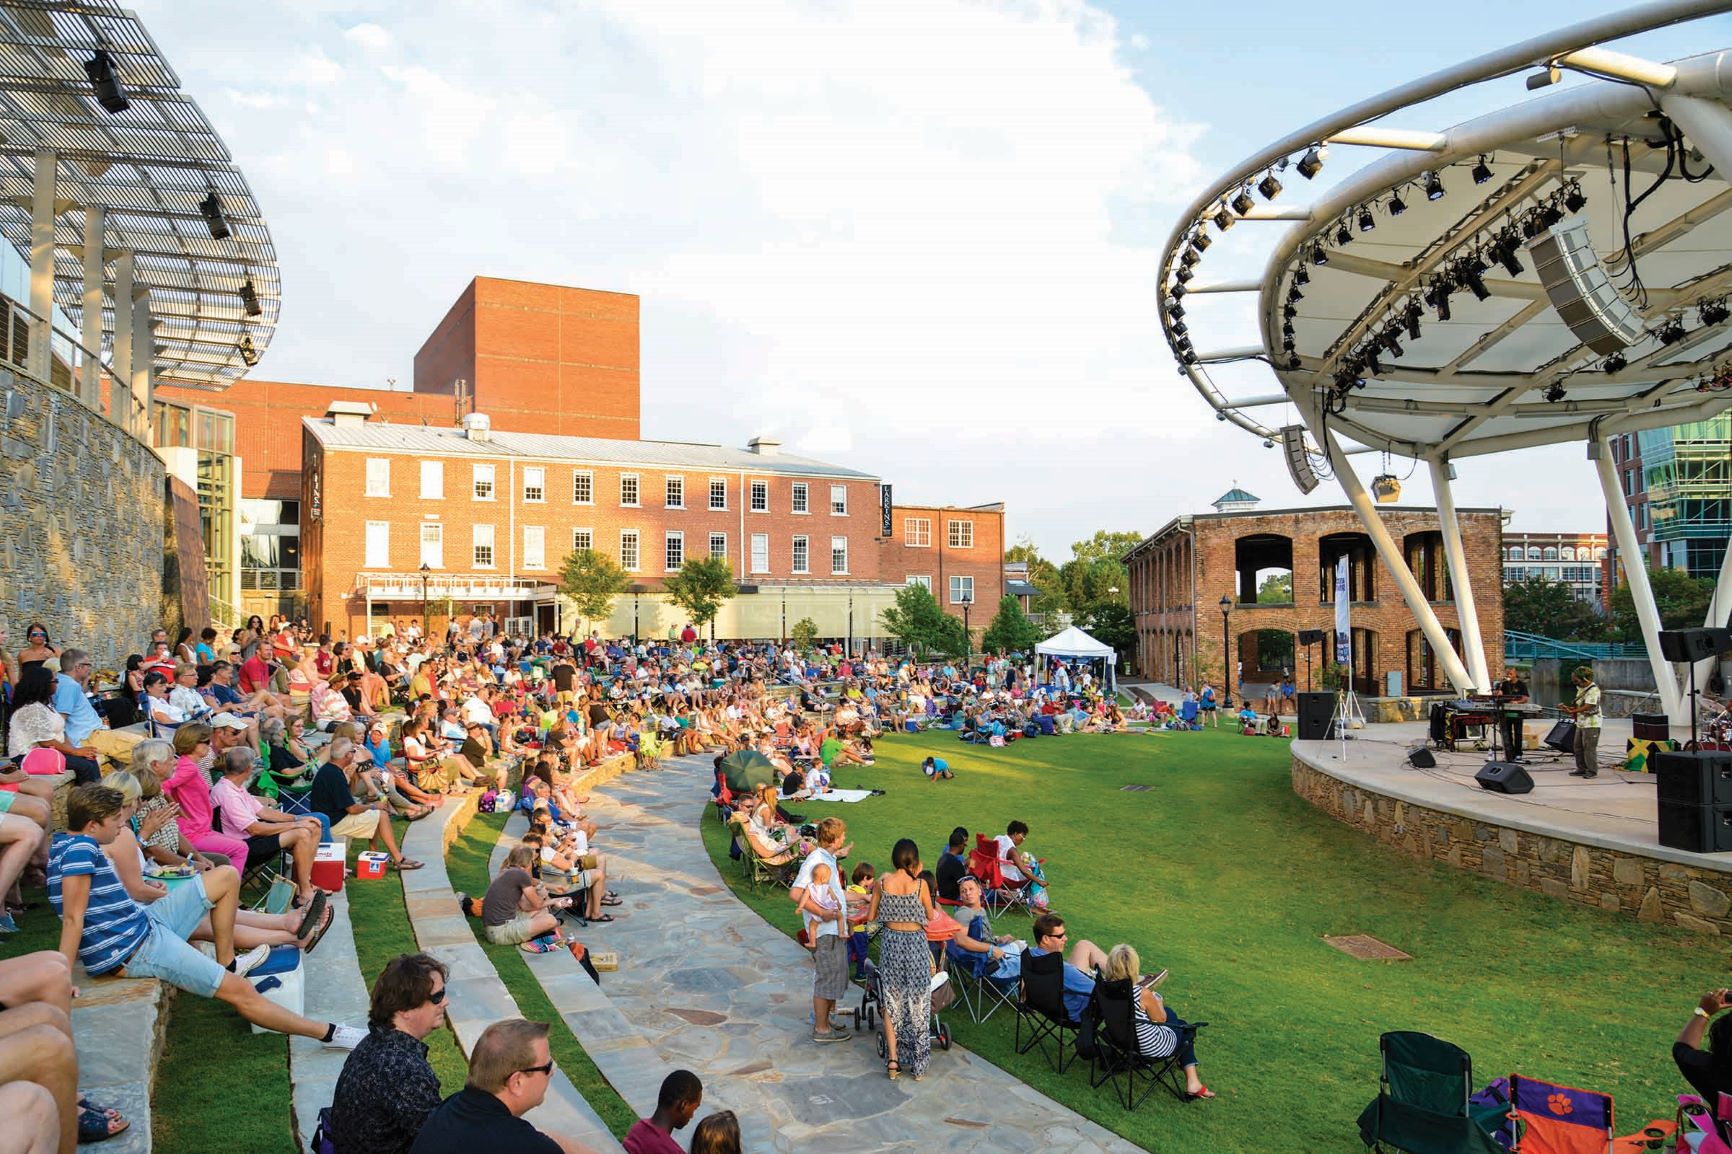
point(408, 863)
point(314, 911)
point(1205, 1092)
point(107, 1111)
point(99, 1125)
point(319, 932)
point(610, 900)
point(602, 918)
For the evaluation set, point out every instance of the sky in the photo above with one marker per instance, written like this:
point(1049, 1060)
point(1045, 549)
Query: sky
point(916, 238)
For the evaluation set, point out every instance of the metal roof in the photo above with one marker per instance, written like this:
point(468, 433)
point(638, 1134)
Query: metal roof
point(381, 436)
point(150, 166)
point(1345, 313)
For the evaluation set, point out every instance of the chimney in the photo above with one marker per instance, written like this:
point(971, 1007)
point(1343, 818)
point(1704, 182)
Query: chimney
point(350, 414)
point(477, 427)
point(764, 446)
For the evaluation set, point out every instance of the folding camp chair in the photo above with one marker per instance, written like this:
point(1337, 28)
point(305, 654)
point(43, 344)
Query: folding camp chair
point(1040, 1007)
point(1422, 1099)
point(981, 996)
point(1551, 1119)
point(1001, 893)
point(1117, 1058)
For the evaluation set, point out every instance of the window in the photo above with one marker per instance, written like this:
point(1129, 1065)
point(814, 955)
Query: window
point(1533, 552)
point(1566, 554)
point(802, 563)
point(534, 483)
point(922, 579)
point(1550, 553)
point(676, 550)
point(917, 532)
point(961, 534)
point(628, 489)
point(583, 487)
point(433, 545)
point(378, 545)
point(583, 540)
point(432, 480)
point(760, 552)
point(1515, 552)
point(718, 493)
point(676, 492)
point(481, 540)
point(838, 500)
point(962, 590)
point(378, 476)
point(628, 550)
point(760, 496)
point(838, 554)
point(799, 501)
point(534, 547)
point(484, 482)
point(719, 545)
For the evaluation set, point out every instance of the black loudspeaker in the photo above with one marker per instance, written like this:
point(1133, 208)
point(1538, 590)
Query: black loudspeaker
point(1680, 645)
point(1311, 637)
point(1421, 758)
point(1504, 777)
point(1650, 726)
point(1686, 778)
point(1316, 711)
point(1696, 828)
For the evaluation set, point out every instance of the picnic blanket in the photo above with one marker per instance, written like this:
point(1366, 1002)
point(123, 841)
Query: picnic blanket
point(844, 795)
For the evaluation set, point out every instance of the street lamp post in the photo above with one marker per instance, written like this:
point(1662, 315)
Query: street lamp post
point(784, 613)
point(1226, 659)
point(635, 594)
point(967, 601)
point(425, 627)
point(1113, 592)
point(850, 624)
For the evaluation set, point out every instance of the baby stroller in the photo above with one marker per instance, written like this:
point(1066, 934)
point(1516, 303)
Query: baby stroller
point(871, 1013)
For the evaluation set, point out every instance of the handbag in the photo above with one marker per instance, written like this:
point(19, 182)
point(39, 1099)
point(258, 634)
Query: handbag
point(587, 861)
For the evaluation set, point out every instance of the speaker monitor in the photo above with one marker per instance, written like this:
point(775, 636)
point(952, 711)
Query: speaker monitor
point(1504, 777)
point(1693, 778)
point(1581, 292)
point(1696, 828)
point(1311, 636)
point(1316, 711)
point(1681, 645)
point(1421, 758)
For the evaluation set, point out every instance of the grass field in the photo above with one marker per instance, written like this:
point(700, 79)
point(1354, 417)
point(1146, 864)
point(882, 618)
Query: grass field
point(1221, 874)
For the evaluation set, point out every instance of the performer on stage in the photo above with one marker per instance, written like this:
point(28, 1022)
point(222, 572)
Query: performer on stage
point(1586, 711)
point(1512, 690)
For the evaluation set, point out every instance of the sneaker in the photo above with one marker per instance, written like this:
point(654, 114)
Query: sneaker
point(7, 925)
point(462, 903)
point(831, 1036)
point(251, 960)
point(346, 1037)
point(1580, 773)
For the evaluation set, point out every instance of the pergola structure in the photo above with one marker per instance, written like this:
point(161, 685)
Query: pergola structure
point(1557, 270)
point(137, 224)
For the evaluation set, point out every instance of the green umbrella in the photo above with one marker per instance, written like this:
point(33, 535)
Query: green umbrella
point(747, 769)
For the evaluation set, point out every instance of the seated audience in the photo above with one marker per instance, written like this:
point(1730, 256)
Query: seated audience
point(333, 796)
point(516, 909)
point(679, 1098)
point(717, 1133)
point(1709, 1071)
point(1080, 964)
point(387, 1087)
point(509, 1072)
point(269, 832)
point(1159, 1031)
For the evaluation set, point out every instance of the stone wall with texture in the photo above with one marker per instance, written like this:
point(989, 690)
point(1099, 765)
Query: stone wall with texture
point(1647, 889)
point(81, 524)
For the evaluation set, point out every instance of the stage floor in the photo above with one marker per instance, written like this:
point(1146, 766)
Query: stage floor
point(1616, 810)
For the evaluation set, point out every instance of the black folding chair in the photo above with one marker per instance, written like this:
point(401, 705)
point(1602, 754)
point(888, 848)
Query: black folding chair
point(1040, 1007)
point(1119, 1060)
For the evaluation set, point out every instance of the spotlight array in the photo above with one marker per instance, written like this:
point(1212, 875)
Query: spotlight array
point(100, 70)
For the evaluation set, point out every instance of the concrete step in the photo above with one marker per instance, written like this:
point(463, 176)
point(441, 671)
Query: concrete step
point(117, 1029)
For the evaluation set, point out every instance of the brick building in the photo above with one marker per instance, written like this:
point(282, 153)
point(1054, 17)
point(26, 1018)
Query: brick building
point(1574, 559)
point(957, 553)
point(1179, 575)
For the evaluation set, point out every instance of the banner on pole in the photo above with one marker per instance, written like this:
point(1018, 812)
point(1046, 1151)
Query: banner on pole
point(884, 506)
point(1343, 621)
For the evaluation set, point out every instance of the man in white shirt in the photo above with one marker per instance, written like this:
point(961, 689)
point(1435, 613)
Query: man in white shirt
point(829, 945)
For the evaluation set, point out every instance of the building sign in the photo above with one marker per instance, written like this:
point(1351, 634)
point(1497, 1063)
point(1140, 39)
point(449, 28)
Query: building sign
point(317, 502)
point(884, 511)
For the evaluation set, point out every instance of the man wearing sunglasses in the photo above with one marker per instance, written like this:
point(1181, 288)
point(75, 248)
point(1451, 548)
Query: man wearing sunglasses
point(509, 1072)
point(384, 1096)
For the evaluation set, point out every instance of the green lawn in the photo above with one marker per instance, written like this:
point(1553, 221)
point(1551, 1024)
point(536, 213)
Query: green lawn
point(1221, 874)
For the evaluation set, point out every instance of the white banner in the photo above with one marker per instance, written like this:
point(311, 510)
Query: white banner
point(1343, 623)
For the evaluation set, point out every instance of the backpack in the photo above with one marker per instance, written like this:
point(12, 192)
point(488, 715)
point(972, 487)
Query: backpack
point(1088, 1032)
point(322, 1142)
point(488, 802)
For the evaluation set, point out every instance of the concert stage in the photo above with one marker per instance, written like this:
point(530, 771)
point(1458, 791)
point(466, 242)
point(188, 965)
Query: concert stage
point(1592, 841)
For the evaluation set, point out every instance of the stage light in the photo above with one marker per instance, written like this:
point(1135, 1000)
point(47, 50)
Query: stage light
point(1366, 221)
point(1481, 172)
point(1342, 235)
point(1178, 329)
point(1219, 415)
point(1243, 202)
point(1312, 162)
point(1293, 362)
point(1504, 248)
point(1393, 343)
point(1372, 363)
point(1287, 344)
point(1175, 310)
point(1319, 256)
point(1287, 329)
point(1671, 332)
point(1177, 290)
point(1267, 443)
point(1714, 312)
point(1294, 293)
point(1190, 257)
point(1396, 205)
point(1201, 239)
point(249, 354)
point(1189, 357)
point(250, 298)
point(1440, 299)
point(1301, 275)
point(1531, 226)
point(1414, 313)
point(1433, 186)
point(211, 208)
point(1614, 363)
point(1574, 200)
point(109, 93)
point(1470, 276)
point(1554, 393)
point(1550, 214)
point(1183, 273)
point(1223, 219)
point(1288, 312)
point(1269, 186)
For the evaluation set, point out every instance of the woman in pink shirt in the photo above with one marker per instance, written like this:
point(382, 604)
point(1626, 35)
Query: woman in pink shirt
point(190, 789)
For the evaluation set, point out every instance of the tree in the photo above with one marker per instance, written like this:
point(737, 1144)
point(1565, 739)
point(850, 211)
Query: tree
point(1276, 589)
point(1043, 575)
point(1087, 580)
point(1106, 545)
point(1681, 599)
point(700, 587)
point(1110, 623)
point(592, 581)
point(916, 620)
point(1010, 631)
point(804, 633)
point(1551, 609)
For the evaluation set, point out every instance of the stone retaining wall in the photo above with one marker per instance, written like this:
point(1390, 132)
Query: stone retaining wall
point(1647, 889)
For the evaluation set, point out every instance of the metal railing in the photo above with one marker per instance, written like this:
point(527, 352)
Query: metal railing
point(1522, 646)
point(66, 363)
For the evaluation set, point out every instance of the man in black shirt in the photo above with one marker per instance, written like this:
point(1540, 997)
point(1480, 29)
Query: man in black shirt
point(1512, 689)
point(509, 1072)
point(1708, 1071)
point(332, 796)
point(383, 1096)
point(953, 865)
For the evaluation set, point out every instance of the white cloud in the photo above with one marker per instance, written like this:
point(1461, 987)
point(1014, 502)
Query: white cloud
point(369, 37)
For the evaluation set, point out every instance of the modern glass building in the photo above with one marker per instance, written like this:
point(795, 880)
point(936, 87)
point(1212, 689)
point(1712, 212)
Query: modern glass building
point(1685, 476)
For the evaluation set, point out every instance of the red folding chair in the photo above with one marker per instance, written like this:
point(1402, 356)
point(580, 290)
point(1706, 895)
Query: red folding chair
point(1002, 893)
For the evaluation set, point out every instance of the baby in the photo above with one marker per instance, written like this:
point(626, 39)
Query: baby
point(824, 897)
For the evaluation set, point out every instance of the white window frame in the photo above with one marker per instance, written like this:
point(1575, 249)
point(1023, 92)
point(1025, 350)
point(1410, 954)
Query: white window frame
point(917, 533)
point(378, 483)
point(482, 536)
point(760, 491)
point(636, 557)
point(535, 547)
point(432, 480)
point(919, 579)
point(718, 491)
point(719, 551)
point(674, 540)
point(800, 499)
point(669, 483)
point(484, 475)
point(434, 557)
point(838, 500)
point(800, 544)
point(760, 553)
point(839, 544)
point(535, 484)
point(377, 550)
point(959, 534)
point(583, 539)
point(586, 478)
point(636, 491)
point(961, 583)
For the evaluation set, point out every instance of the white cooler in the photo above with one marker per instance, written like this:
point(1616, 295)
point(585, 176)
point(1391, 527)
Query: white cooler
point(281, 979)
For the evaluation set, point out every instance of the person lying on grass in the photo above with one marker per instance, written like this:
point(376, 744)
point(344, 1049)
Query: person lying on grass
point(112, 934)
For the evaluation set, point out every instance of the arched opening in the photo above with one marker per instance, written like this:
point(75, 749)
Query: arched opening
point(1424, 671)
point(1266, 654)
point(1363, 663)
point(1361, 557)
point(1425, 558)
point(1264, 566)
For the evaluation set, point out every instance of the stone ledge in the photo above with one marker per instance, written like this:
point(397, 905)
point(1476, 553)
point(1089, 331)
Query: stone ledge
point(118, 1029)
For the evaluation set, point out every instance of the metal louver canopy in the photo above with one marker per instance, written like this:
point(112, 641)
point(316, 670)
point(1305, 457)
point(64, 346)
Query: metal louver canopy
point(149, 166)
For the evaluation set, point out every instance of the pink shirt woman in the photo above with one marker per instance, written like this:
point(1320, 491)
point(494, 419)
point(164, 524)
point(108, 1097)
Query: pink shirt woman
point(191, 791)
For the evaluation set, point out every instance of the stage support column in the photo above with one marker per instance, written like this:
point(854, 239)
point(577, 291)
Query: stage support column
point(90, 384)
point(1456, 554)
point(1635, 565)
point(1719, 605)
point(120, 409)
point(42, 205)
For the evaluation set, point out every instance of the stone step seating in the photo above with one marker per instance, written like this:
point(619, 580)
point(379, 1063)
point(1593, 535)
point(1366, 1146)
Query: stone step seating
point(117, 1028)
point(336, 991)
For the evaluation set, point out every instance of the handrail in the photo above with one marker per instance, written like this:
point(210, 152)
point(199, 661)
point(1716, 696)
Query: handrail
point(66, 350)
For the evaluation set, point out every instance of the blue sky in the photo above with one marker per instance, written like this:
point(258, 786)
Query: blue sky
point(918, 238)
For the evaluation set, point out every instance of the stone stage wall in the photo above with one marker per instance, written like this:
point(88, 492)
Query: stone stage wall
point(1645, 888)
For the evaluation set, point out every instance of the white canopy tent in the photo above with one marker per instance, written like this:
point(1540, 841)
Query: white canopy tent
point(1074, 643)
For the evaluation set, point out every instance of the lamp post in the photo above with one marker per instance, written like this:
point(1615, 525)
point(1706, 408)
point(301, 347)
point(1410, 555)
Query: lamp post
point(636, 590)
point(424, 625)
point(1226, 659)
point(850, 624)
point(1113, 592)
point(784, 613)
point(967, 601)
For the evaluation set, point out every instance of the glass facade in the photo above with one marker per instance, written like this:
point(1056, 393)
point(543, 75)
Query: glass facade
point(210, 435)
point(1687, 475)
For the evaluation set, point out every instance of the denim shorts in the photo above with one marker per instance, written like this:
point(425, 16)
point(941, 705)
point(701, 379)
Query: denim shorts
point(166, 954)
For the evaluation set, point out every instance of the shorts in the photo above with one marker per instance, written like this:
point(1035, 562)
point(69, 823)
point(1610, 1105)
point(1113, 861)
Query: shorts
point(263, 848)
point(6, 797)
point(357, 825)
point(830, 961)
point(514, 932)
point(166, 954)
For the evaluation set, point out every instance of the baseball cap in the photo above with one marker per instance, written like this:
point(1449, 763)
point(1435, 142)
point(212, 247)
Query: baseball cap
point(227, 720)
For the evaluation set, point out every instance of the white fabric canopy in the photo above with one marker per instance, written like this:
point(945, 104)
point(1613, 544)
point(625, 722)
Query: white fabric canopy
point(1073, 642)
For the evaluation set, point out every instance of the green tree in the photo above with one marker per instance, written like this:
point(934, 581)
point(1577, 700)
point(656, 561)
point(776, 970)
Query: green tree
point(700, 587)
point(1551, 609)
point(916, 620)
point(1276, 589)
point(1681, 599)
point(1106, 545)
point(1043, 575)
point(1110, 622)
point(804, 633)
point(1086, 580)
point(592, 581)
point(1010, 631)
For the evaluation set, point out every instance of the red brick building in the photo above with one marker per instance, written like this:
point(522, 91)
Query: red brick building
point(956, 552)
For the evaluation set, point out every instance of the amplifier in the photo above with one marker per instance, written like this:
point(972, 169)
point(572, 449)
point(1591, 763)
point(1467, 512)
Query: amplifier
point(1696, 828)
point(1650, 726)
point(1316, 711)
point(1687, 778)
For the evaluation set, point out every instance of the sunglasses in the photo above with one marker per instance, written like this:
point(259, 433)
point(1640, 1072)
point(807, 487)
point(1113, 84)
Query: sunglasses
point(437, 996)
point(545, 1069)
